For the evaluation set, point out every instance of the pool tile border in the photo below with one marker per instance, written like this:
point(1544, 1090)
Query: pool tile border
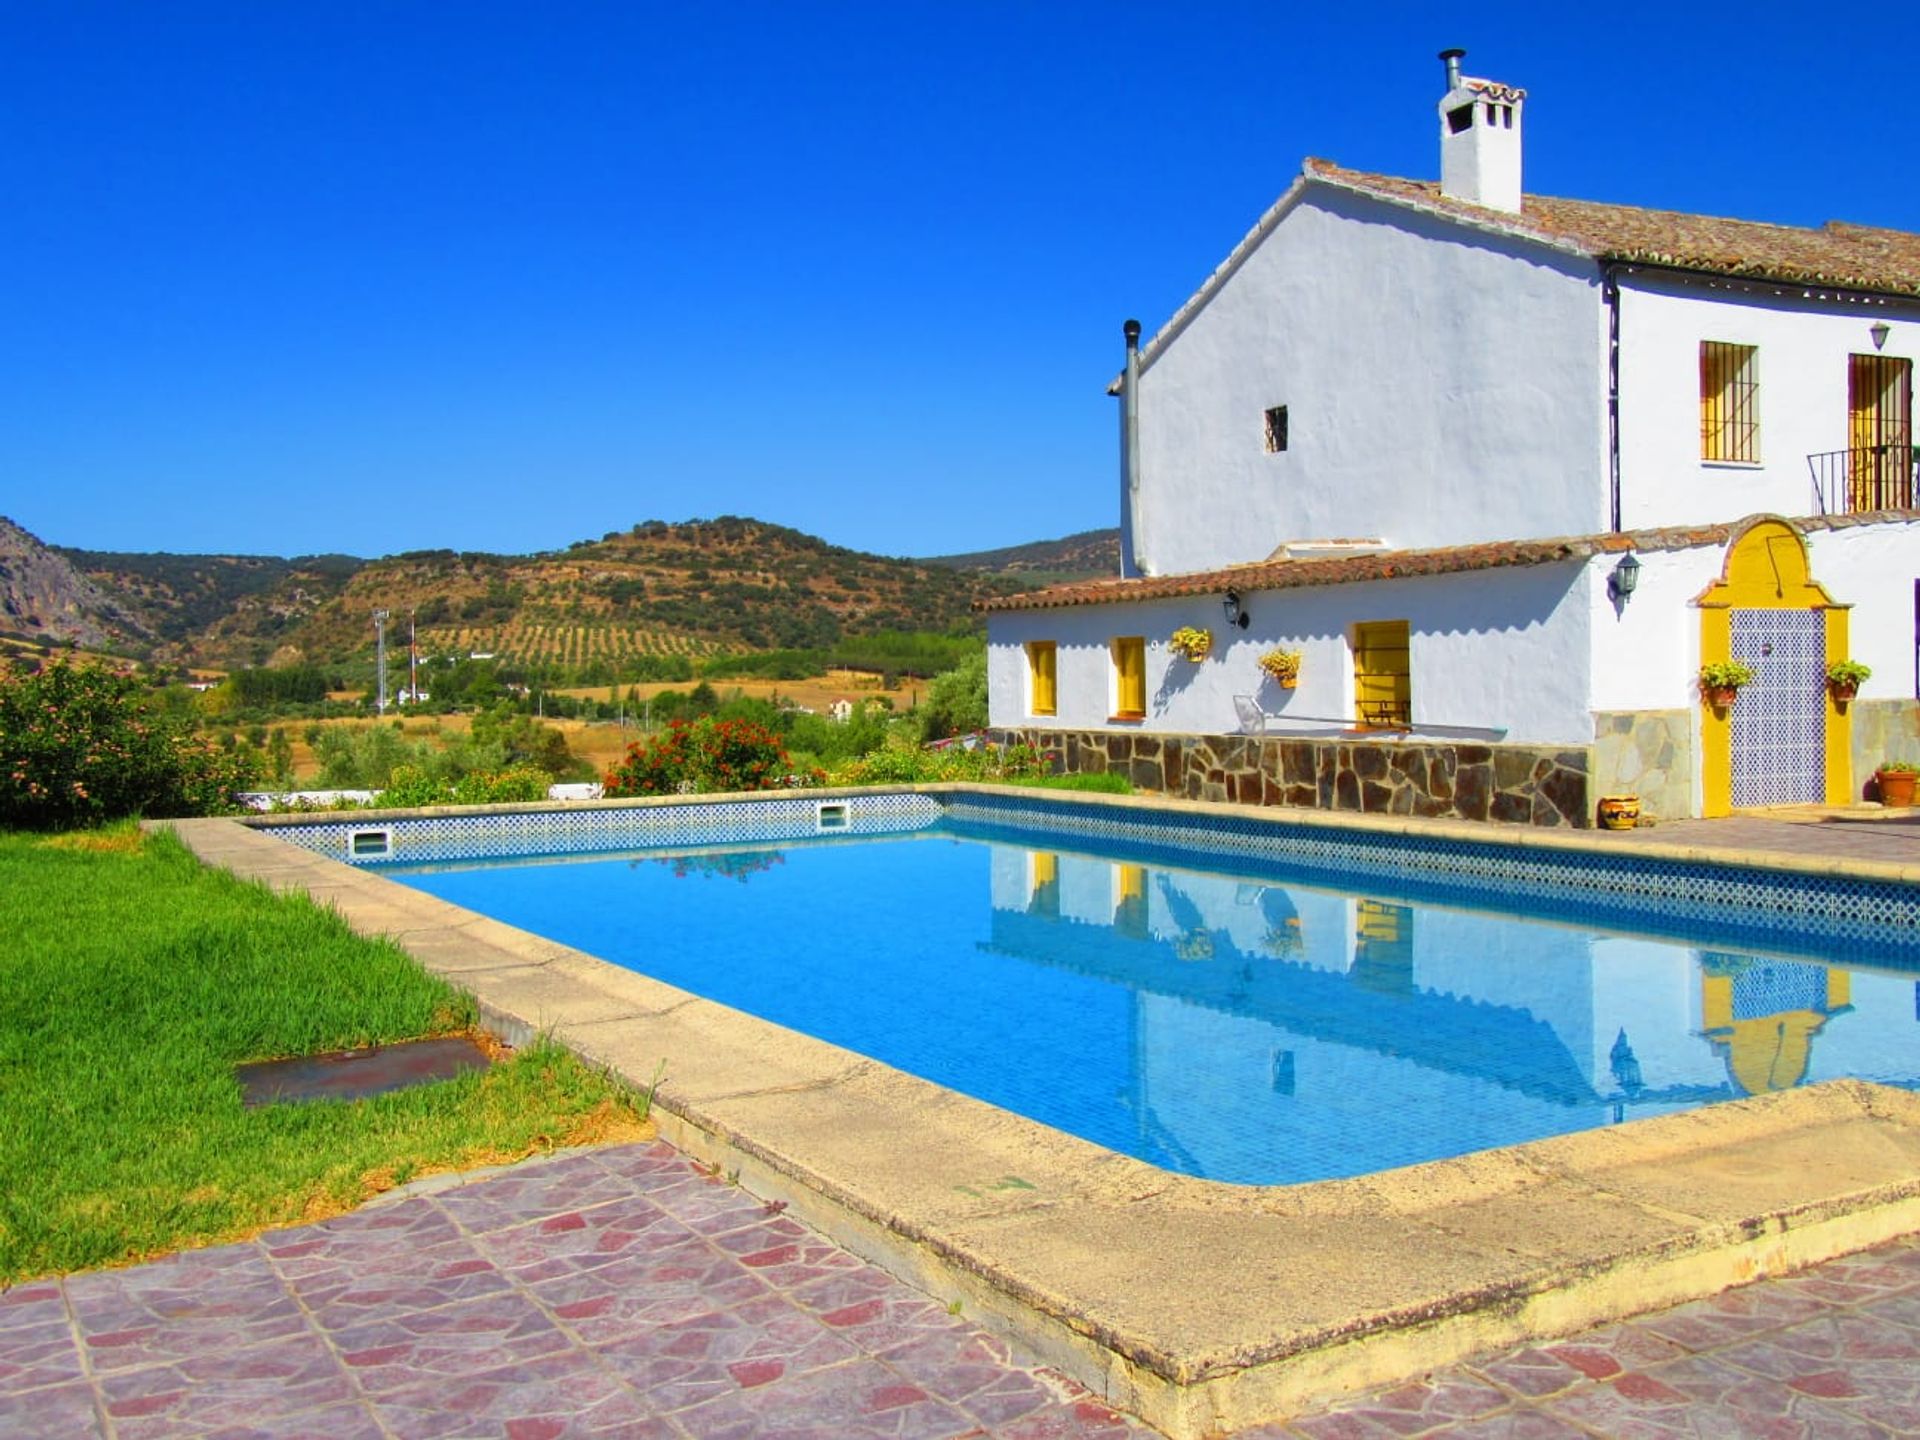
point(1200, 1305)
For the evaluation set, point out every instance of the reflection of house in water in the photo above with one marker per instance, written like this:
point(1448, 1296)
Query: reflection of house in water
point(1353, 1034)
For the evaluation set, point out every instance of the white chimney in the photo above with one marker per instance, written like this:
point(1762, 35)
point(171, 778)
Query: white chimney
point(1480, 139)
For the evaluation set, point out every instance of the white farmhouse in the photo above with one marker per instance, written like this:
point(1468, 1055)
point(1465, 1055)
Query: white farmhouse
point(1505, 472)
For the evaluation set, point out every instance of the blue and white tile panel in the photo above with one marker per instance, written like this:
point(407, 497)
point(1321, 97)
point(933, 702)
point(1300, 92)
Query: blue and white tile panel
point(579, 832)
point(1825, 906)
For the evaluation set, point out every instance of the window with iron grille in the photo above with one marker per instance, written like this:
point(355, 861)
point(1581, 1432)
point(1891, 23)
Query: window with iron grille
point(1276, 429)
point(1382, 675)
point(1729, 401)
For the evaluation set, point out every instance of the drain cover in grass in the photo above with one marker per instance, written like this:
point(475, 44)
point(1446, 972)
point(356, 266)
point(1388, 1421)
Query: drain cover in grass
point(347, 1075)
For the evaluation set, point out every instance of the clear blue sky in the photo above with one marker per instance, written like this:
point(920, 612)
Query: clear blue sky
point(369, 277)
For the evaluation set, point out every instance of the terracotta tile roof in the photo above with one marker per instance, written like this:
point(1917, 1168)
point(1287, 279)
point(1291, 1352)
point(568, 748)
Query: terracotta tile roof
point(1405, 564)
point(1852, 257)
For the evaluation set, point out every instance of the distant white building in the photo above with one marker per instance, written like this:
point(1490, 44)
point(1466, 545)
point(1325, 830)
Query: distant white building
point(1430, 436)
point(840, 711)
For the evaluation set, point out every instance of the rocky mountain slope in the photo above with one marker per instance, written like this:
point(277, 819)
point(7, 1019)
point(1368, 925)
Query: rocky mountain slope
point(44, 596)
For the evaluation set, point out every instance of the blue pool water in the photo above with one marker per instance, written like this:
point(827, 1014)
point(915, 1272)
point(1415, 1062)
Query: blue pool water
point(1238, 1023)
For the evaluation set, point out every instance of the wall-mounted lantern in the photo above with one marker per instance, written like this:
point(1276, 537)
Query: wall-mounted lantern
point(1624, 579)
point(1236, 617)
point(1879, 330)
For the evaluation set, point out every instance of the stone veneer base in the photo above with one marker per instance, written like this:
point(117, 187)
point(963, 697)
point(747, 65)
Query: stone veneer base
point(1435, 779)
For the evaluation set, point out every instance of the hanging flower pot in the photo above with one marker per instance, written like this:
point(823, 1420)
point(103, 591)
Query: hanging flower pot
point(1282, 666)
point(1844, 678)
point(1720, 681)
point(1191, 643)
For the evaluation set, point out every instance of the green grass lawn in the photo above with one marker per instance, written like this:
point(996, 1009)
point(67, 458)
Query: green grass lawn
point(132, 980)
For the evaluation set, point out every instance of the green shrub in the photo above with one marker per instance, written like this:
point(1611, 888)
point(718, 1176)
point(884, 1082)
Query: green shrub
point(82, 744)
point(411, 787)
point(902, 765)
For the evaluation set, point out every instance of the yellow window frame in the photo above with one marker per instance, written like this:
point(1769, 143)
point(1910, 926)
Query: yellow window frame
point(1383, 675)
point(1129, 677)
point(1043, 677)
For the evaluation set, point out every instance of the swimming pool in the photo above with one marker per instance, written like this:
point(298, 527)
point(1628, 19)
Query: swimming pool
point(1210, 1002)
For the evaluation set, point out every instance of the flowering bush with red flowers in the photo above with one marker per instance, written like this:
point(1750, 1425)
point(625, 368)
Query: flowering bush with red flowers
point(704, 755)
point(80, 744)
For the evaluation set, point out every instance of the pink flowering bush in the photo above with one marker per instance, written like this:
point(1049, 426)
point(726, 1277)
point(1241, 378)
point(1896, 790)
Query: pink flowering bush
point(80, 744)
point(704, 755)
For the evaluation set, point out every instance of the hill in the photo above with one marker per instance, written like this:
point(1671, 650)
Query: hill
point(1089, 555)
point(695, 588)
point(45, 596)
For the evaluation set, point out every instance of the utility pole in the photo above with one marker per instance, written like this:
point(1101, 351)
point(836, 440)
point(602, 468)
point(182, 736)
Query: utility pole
point(380, 657)
point(413, 663)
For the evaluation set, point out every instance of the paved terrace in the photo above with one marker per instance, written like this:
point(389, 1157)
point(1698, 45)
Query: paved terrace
point(625, 1293)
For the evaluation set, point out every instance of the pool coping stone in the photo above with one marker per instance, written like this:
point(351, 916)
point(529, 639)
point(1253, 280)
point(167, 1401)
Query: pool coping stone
point(1199, 1305)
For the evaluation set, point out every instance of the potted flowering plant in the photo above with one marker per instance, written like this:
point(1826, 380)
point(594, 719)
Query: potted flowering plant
point(1896, 780)
point(1191, 643)
point(1283, 666)
point(1720, 681)
point(1844, 678)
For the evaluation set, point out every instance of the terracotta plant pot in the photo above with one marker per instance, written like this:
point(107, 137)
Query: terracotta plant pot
point(1719, 696)
point(1291, 682)
point(1619, 812)
point(1896, 787)
point(1842, 692)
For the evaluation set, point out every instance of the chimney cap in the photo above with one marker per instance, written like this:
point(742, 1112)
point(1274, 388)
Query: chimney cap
point(1451, 59)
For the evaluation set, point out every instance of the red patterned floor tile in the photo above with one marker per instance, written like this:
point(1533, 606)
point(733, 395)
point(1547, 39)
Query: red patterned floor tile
point(1412, 1409)
point(32, 1356)
point(225, 1389)
point(68, 1411)
point(862, 1400)
point(472, 1337)
point(689, 1362)
point(1702, 1396)
point(332, 1422)
point(524, 1402)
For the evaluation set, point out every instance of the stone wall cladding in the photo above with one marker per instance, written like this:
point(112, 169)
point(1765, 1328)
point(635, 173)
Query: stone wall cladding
point(1523, 784)
point(1648, 753)
point(1883, 730)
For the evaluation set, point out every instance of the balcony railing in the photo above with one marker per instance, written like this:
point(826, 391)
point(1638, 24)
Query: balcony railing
point(1866, 477)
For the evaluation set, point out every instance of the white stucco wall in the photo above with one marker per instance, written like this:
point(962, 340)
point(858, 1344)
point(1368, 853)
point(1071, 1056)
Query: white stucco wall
point(1648, 657)
point(1876, 569)
point(1443, 386)
point(1802, 394)
point(1500, 648)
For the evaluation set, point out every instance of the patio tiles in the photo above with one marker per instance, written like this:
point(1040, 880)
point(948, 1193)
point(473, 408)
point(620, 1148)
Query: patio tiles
point(1834, 1352)
point(181, 1307)
point(248, 1385)
point(65, 1410)
point(864, 1400)
point(561, 1395)
point(473, 1336)
point(627, 1292)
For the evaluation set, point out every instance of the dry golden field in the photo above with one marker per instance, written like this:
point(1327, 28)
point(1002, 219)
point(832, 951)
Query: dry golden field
point(599, 743)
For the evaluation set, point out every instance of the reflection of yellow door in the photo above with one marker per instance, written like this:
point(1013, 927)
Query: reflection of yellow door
point(1767, 1051)
point(1879, 432)
point(1130, 900)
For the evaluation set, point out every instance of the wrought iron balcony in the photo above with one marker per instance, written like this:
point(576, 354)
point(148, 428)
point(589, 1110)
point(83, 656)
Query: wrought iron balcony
point(1866, 477)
